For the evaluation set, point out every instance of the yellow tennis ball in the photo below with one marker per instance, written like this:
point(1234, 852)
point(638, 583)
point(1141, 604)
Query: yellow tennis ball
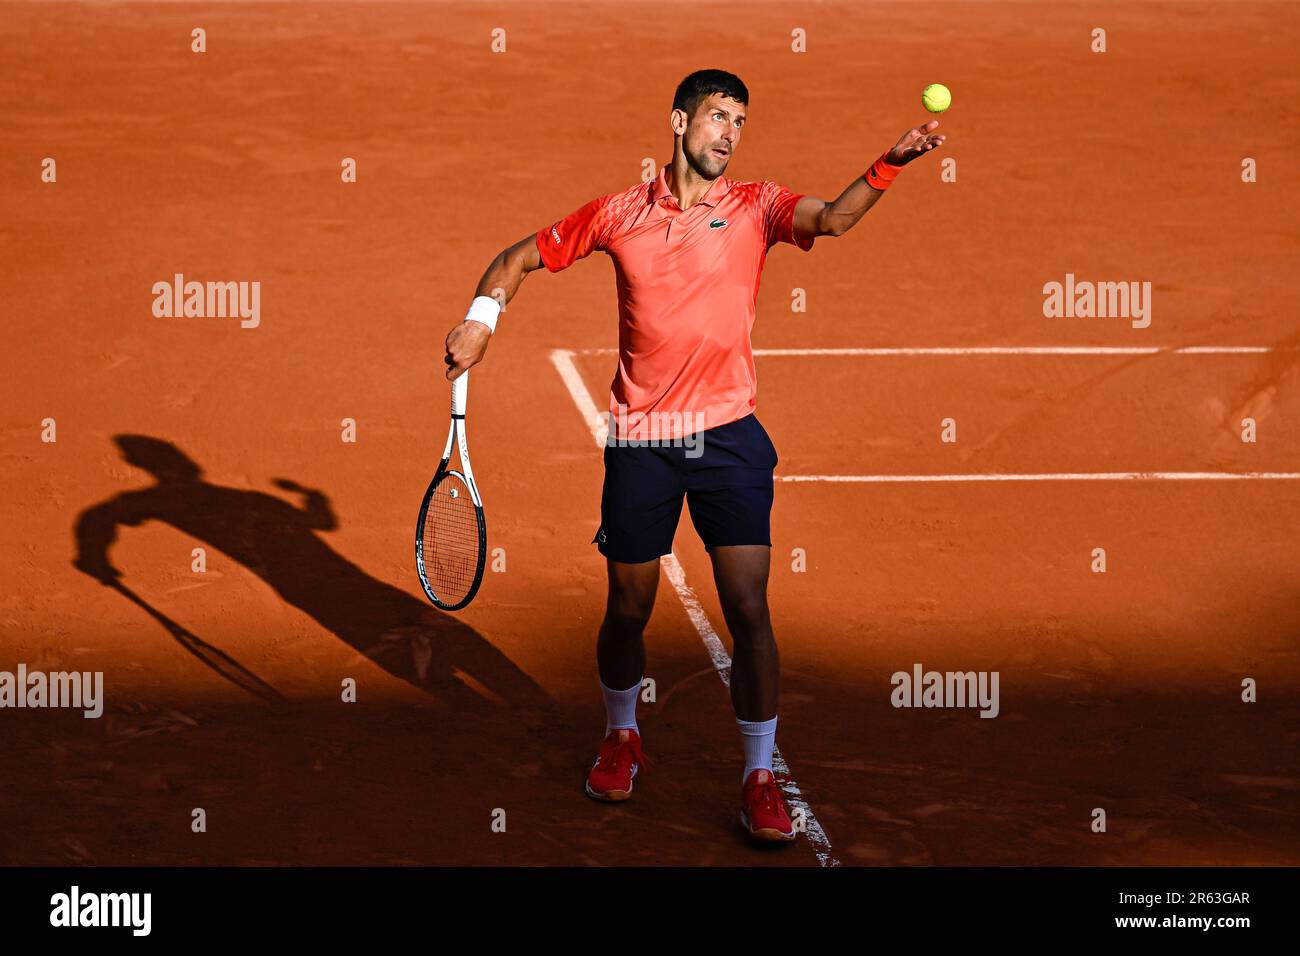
point(936, 98)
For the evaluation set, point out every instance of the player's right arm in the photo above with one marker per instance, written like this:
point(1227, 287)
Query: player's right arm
point(556, 247)
point(467, 343)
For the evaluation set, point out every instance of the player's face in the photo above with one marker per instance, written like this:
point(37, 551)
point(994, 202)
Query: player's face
point(713, 134)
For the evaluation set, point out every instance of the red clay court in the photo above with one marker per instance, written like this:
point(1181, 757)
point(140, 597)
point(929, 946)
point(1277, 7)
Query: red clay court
point(1120, 690)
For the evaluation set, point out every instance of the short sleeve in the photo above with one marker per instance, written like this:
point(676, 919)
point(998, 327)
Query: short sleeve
point(574, 237)
point(778, 215)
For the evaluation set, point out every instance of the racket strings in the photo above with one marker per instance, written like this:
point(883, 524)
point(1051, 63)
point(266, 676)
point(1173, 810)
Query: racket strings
point(451, 540)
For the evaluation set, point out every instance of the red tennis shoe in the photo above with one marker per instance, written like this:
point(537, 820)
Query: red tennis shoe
point(610, 778)
point(762, 811)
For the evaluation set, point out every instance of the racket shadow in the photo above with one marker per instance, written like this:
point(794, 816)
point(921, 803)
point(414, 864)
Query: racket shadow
point(279, 541)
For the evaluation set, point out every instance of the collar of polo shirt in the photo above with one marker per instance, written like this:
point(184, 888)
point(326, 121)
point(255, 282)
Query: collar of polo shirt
point(716, 190)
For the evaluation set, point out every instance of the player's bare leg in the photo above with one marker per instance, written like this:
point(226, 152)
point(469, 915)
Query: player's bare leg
point(741, 574)
point(620, 657)
point(620, 649)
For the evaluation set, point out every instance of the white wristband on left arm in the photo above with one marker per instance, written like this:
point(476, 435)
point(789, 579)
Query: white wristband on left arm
point(484, 309)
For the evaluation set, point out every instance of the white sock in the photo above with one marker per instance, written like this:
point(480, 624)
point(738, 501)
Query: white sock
point(620, 707)
point(759, 737)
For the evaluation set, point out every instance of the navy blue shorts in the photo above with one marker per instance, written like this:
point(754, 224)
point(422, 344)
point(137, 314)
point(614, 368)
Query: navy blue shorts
point(726, 480)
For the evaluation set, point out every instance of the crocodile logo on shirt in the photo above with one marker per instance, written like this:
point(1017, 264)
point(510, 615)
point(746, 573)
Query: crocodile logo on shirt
point(717, 224)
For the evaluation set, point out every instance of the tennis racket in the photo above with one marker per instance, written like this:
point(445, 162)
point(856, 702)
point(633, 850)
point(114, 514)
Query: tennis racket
point(450, 534)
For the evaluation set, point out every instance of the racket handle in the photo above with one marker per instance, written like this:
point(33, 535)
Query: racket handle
point(459, 392)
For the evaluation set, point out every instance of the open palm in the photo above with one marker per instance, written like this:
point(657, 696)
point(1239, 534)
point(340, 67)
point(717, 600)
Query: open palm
point(918, 140)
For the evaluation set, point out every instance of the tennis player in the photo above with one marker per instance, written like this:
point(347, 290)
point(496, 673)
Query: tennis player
point(688, 250)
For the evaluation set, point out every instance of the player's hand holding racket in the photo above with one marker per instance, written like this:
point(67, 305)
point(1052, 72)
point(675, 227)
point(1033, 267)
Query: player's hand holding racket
point(466, 345)
point(450, 532)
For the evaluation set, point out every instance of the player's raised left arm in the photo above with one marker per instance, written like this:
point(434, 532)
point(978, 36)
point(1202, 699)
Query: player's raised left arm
point(816, 217)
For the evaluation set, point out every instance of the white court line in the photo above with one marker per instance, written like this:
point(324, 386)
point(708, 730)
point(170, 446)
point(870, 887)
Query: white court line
point(1009, 350)
point(1064, 476)
point(562, 359)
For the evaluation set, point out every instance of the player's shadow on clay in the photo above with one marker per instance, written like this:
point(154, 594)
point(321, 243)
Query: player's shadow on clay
point(278, 541)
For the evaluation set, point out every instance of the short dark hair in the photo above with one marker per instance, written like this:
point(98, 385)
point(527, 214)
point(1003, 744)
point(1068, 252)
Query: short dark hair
point(701, 84)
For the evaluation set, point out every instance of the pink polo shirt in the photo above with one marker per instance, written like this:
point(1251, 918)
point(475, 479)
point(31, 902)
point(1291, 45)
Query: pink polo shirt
point(687, 289)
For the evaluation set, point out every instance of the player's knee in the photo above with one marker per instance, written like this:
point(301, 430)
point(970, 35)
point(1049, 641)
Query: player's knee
point(626, 615)
point(748, 617)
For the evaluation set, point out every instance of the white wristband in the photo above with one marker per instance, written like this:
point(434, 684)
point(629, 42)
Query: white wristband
point(484, 309)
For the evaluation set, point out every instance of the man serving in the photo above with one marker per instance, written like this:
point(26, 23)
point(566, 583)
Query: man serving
point(688, 251)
